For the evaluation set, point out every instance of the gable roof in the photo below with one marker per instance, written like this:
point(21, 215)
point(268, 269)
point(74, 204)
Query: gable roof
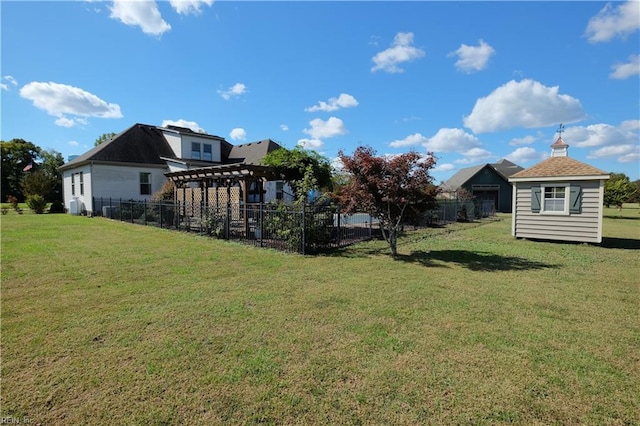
point(504, 168)
point(251, 153)
point(140, 144)
point(556, 167)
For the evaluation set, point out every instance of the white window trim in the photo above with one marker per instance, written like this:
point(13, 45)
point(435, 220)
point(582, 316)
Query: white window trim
point(565, 211)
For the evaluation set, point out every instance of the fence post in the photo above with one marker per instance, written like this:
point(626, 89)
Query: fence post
point(339, 231)
point(227, 222)
point(160, 209)
point(145, 212)
point(304, 227)
point(261, 222)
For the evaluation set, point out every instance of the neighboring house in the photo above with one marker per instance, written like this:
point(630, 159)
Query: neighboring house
point(488, 183)
point(135, 164)
point(558, 199)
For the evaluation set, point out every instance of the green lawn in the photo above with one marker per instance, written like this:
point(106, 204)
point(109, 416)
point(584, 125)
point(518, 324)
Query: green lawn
point(111, 323)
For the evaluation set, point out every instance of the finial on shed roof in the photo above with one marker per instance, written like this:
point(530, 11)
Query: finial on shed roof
point(559, 147)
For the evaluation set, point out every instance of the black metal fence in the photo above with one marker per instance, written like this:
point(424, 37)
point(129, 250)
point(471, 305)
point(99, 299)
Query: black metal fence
point(306, 230)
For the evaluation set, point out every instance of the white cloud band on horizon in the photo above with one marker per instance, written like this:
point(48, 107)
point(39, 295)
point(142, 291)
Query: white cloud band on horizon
point(526, 103)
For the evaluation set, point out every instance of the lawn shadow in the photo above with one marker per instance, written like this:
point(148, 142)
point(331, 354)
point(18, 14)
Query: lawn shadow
point(475, 261)
point(620, 243)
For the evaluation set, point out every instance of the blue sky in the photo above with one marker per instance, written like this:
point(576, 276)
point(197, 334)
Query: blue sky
point(473, 82)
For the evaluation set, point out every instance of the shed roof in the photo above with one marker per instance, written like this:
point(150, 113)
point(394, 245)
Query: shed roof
point(559, 167)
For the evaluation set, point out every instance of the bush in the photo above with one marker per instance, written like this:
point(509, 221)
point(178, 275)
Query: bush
point(13, 201)
point(56, 207)
point(36, 203)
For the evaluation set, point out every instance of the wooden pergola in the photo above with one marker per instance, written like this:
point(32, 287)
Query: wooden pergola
point(223, 177)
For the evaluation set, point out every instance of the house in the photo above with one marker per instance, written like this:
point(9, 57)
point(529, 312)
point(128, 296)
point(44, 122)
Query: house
point(488, 183)
point(136, 163)
point(559, 198)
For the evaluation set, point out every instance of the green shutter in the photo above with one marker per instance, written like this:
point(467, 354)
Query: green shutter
point(535, 199)
point(575, 199)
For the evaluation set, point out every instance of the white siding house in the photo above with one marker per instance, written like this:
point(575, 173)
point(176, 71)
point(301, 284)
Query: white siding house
point(558, 199)
point(133, 164)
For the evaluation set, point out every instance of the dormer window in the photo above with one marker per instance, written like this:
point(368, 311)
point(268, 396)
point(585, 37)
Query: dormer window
point(195, 151)
point(207, 154)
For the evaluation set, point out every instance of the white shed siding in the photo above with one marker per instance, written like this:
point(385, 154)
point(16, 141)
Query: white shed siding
point(583, 227)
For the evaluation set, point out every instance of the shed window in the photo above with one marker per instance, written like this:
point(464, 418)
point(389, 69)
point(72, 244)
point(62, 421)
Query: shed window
point(145, 183)
point(73, 184)
point(195, 151)
point(554, 199)
point(558, 199)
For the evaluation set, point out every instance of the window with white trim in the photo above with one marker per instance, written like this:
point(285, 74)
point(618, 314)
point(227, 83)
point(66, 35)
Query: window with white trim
point(195, 151)
point(207, 153)
point(145, 183)
point(73, 184)
point(554, 199)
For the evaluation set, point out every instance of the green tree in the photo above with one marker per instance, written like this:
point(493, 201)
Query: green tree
point(16, 155)
point(105, 137)
point(302, 169)
point(50, 162)
point(635, 196)
point(617, 190)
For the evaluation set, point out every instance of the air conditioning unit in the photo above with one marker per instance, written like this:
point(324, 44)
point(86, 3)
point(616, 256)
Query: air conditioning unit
point(108, 211)
point(75, 207)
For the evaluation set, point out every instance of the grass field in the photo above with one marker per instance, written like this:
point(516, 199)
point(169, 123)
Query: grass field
point(111, 323)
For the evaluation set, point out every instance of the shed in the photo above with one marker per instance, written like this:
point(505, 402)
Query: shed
point(559, 198)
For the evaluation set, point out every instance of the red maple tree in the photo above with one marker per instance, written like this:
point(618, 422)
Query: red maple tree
point(392, 189)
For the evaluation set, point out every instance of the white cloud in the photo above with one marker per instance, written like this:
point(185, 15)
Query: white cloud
point(238, 134)
point(235, 90)
point(183, 123)
point(615, 151)
point(527, 140)
point(9, 79)
point(61, 99)
point(527, 104)
point(326, 129)
point(603, 134)
point(400, 51)
point(343, 101)
point(441, 168)
point(452, 140)
point(74, 143)
point(524, 155)
point(284, 127)
point(477, 154)
point(473, 58)
point(626, 70)
point(186, 7)
point(614, 141)
point(611, 21)
point(411, 140)
point(314, 144)
point(65, 122)
point(142, 13)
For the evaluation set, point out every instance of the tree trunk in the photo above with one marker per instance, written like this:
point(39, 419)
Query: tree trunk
point(393, 242)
